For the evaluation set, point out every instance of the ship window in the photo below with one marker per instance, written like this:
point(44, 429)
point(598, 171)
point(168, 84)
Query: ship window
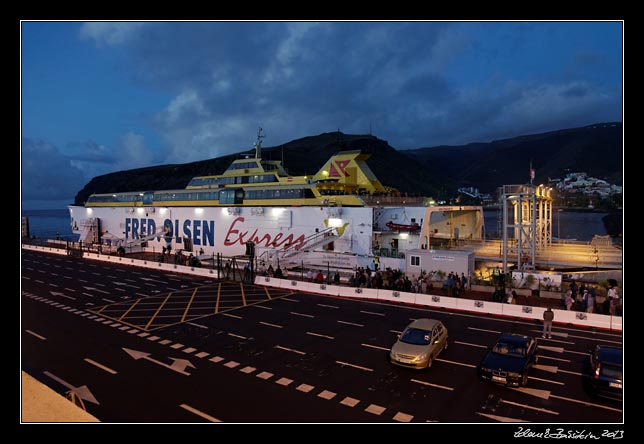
point(415, 261)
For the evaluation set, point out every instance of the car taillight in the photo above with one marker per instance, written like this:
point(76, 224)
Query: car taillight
point(596, 376)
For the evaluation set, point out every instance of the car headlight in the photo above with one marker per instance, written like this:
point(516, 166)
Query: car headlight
point(393, 355)
point(485, 369)
point(421, 357)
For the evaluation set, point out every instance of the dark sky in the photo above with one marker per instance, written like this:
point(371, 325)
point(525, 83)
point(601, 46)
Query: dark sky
point(100, 97)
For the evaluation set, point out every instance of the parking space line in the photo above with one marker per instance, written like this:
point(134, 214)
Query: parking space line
point(268, 295)
point(237, 336)
point(482, 329)
point(570, 373)
point(354, 366)
point(302, 314)
point(470, 344)
point(586, 403)
point(231, 315)
point(350, 323)
point(101, 366)
point(554, 359)
point(327, 306)
point(36, 335)
point(270, 325)
point(199, 413)
point(377, 347)
point(243, 294)
point(290, 300)
point(372, 313)
point(185, 312)
point(456, 363)
point(546, 380)
point(432, 385)
point(218, 295)
point(319, 335)
point(525, 406)
point(290, 349)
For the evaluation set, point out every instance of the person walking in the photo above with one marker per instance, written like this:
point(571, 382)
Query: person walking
point(548, 316)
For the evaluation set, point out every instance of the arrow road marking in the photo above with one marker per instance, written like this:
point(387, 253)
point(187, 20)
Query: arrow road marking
point(178, 364)
point(82, 391)
point(96, 289)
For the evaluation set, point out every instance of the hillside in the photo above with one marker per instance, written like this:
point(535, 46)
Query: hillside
point(434, 171)
point(301, 157)
point(596, 149)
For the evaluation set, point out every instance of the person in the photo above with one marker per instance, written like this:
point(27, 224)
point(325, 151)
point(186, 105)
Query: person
point(336, 277)
point(319, 278)
point(548, 316)
point(569, 300)
point(614, 302)
point(589, 302)
point(278, 273)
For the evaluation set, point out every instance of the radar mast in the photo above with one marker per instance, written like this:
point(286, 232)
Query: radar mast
point(258, 144)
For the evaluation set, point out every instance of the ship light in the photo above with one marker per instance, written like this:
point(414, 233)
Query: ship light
point(277, 211)
point(163, 210)
point(404, 235)
point(89, 211)
point(198, 210)
point(139, 210)
point(335, 222)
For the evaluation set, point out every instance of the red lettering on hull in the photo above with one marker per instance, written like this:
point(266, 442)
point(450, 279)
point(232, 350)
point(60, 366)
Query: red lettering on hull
point(237, 236)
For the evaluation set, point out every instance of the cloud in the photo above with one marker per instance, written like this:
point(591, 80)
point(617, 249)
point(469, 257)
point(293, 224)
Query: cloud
point(109, 33)
point(297, 79)
point(46, 174)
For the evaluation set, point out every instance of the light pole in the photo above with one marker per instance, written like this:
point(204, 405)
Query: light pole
point(558, 225)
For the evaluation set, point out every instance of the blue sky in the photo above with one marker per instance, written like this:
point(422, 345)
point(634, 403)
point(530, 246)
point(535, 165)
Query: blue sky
point(99, 97)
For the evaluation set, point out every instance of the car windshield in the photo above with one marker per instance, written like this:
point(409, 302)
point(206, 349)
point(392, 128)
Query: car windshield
point(416, 336)
point(509, 349)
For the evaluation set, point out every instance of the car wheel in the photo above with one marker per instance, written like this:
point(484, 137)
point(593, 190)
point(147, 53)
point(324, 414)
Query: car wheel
point(430, 361)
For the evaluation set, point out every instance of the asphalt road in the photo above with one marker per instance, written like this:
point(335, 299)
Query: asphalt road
point(286, 358)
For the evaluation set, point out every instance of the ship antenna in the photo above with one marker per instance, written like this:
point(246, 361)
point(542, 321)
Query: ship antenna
point(258, 144)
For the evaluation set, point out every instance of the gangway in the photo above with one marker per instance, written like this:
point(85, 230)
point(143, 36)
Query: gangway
point(290, 253)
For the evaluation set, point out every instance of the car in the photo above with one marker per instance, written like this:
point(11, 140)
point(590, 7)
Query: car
point(419, 344)
point(602, 372)
point(509, 360)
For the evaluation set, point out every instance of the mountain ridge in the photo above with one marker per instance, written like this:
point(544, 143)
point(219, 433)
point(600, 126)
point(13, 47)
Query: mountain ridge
point(431, 171)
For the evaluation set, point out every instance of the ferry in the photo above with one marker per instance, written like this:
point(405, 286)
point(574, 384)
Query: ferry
point(341, 217)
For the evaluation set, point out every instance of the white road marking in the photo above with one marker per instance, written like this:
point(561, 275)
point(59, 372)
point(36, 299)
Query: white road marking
point(302, 314)
point(327, 306)
point(319, 335)
point(403, 417)
point(152, 338)
point(90, 295)
point(546, 380)
point(555, 340)
point(570, 373)
point(470, 344)
point(350, 402)
point(290, 349)
point(199, 413)
point(375, 409)
point(554, 359)
point(482, 329)
point(454, 362)
point(53, 285)
point(325, 394)
point(261, 306)
point(354, 366)
point(576, 352)
point(231, 364)
point(216, 359)
point(264, 375)
point(304, 388)
point(270, 325)
point(396, 331)
point(587, 403)
point(247, 370)
point(189, 350)
point(36, 335)
point(543, 394)
point(176, 346)
point(202, 354)
point(525, 406)
point(554, 349)
point(197, 325)
point(433, 385)
point(290, 300)
point(237, 336)
point(283, 381)
point(350, 323)
point(372, 313)
point(108, 300)
point(40, 282)
point(500, 418)
point(546, 368)
point(231, 315)
point(101, 366)
point(375, 346)
point(164, 342)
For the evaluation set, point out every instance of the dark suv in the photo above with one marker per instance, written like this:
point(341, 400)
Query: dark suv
point(509, 360)
point(603, 372)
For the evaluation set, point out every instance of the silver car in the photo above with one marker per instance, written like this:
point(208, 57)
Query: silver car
point(419, 344)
